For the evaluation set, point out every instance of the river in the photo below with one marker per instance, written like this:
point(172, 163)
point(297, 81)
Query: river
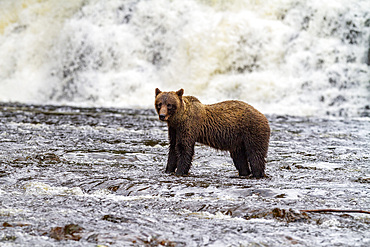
point(73, 176)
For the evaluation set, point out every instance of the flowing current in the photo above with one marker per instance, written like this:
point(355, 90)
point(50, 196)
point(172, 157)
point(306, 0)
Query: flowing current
point(82, 152)
point(95, 176)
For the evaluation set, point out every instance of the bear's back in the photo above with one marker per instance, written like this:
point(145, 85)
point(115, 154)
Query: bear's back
point(191, 99)
point(229, 105)
point(234, 109)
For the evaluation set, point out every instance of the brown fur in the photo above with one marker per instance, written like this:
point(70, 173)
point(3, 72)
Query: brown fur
point(232, 125)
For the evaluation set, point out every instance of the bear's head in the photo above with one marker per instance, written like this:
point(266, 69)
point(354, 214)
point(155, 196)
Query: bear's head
point(168, 103)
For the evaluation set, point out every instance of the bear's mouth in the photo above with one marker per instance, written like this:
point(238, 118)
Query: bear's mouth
point(163, 118)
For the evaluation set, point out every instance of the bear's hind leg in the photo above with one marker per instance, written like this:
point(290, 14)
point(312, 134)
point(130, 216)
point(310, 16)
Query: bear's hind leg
point(257, 163)
point(240, 161)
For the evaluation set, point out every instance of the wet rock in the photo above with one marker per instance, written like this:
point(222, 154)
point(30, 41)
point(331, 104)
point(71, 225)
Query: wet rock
point(281, 195)
point(292, 240)
point(287, 215)
point(153, 143)
point(305, 167)
point(93, 238)
point(285, 167)
point(113, 188)
point(69, 231)
point(152, 241)
point(15, 224)
point(115, 219)
point(48, 157)
point(362, 180)
point(8, 238)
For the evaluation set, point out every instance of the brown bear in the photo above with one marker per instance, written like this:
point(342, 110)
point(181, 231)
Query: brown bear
point(232, 125)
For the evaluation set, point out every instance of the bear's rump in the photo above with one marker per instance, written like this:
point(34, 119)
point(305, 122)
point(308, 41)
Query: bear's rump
point(231, 125)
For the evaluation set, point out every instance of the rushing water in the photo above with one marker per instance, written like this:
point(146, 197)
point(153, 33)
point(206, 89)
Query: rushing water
point(282, 56)
point(95, 176)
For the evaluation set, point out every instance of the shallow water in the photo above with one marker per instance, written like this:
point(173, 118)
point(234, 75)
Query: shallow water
point(88, 176)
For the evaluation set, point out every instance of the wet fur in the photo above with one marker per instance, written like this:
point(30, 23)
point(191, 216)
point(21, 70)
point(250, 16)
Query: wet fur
point(233, 126)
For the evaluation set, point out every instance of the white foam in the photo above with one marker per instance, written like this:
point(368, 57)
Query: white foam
point(39, 188)
point(8, 212)
point(324, 165)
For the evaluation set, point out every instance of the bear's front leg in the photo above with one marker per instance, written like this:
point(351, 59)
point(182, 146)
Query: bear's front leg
point(172, 158)
point(185, 152)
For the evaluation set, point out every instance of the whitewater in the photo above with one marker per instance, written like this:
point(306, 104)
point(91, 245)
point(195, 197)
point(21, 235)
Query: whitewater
point(307, 58)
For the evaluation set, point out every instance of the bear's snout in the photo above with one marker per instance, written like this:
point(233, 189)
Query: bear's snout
point(162, 117)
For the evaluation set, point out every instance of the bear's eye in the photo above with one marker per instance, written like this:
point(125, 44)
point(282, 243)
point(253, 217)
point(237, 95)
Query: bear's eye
point(169, 106)
point(159, 105)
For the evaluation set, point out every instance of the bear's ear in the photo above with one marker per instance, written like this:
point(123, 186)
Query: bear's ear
point(157, 91)
point(180, 92)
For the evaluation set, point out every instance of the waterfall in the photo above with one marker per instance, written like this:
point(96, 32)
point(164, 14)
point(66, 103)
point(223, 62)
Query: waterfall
point(282, 56)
